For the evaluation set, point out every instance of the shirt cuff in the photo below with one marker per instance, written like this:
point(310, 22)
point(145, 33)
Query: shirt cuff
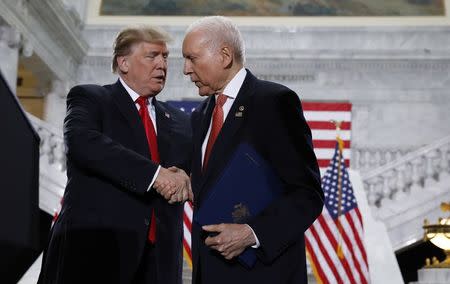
point(257, 245)
point(154, 178)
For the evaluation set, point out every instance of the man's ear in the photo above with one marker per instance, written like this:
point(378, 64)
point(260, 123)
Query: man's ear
point(227, 56)
point(122, 63)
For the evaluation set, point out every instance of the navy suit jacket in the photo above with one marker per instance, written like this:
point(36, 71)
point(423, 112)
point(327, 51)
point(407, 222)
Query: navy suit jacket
point(272, 122)
point(106, 205)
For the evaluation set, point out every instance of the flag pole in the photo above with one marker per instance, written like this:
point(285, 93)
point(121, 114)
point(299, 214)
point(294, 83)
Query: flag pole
point(338, 124)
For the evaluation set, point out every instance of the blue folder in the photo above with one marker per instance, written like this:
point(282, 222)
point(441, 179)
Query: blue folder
point(246, 187)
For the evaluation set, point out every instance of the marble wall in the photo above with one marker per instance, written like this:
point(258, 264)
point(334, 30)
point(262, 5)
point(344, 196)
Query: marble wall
point(397, 78)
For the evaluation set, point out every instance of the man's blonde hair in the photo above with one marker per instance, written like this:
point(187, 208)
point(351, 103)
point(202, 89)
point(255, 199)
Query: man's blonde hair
point(132, 35)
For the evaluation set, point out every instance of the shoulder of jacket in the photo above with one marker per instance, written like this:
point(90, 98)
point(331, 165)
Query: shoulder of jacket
point(174, 111)
point(97, 91)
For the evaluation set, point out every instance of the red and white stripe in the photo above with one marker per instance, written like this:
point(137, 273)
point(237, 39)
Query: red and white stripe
point(187, 225)
point(323, 237)
point(318, 115)
point(322, 240)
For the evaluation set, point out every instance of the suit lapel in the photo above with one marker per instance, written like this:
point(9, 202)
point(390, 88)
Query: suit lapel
point(206, 118)
point(163, 123)
point(228, 138)
point(203, 121)
point(128, 109)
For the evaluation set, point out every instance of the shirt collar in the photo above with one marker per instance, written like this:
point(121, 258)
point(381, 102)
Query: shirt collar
point(132, 93)
point(233, 87)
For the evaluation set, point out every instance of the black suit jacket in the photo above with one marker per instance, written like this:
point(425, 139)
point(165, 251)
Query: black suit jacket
point(273, 122)
point(106, 210)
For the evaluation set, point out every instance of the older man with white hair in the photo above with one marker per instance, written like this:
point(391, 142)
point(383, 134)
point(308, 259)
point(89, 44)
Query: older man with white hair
point(240, 108)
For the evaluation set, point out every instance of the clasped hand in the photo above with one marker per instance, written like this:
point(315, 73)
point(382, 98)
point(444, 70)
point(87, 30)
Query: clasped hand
point(174, 185)
point(231, 239)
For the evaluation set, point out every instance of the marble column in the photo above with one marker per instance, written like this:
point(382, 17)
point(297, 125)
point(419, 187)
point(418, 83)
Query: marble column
point(9, 55)
point(55, 103)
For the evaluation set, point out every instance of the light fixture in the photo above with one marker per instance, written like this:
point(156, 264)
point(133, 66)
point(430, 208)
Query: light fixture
point(439, 235)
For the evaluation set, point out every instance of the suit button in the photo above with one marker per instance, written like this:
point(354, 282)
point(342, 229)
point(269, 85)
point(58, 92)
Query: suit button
point(147, 221)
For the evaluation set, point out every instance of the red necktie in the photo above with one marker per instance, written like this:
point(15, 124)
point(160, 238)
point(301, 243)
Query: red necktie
point(153, 146)
point(216, 125)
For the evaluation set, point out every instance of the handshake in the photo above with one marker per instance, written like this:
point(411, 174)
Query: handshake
point(174, 185)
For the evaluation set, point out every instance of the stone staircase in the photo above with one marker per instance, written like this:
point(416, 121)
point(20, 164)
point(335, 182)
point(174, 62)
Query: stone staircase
point(403, 192)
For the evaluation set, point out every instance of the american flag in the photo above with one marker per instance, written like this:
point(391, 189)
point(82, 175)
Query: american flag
point(188, 107)
point(318, 116)
point(335, 242)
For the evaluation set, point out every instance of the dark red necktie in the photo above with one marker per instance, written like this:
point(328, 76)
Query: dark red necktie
point(153, 146)
point(216, 126)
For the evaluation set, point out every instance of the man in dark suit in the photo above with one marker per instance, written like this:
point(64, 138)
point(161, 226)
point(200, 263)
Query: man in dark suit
point(121, 218)
point(268, 116)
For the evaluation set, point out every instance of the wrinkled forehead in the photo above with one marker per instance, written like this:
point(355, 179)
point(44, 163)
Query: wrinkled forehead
point(201, 39)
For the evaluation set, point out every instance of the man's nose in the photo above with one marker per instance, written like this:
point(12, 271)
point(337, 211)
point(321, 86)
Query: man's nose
point(161, 62)
point(187, 67)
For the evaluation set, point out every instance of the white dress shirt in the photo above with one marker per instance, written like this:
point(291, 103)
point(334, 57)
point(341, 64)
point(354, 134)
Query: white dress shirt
point(231, 91)
point(151, 110)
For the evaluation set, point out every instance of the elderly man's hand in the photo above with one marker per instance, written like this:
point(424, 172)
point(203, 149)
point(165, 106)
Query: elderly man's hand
point(231, 239)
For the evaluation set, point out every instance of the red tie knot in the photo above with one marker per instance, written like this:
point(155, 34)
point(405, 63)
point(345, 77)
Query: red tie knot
point(142, 101)
point(221, 99)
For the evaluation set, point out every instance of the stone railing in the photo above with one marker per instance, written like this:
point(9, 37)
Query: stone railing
point(366, 159)
point(415, 171)
point(52, 163)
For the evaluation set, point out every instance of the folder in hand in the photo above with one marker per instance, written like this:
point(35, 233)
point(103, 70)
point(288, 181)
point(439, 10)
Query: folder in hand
point(246, 187)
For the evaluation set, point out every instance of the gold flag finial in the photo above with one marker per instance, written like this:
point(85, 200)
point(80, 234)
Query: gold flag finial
point(337, 124)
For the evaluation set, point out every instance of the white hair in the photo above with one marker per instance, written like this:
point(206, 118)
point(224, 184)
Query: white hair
point(221, 30)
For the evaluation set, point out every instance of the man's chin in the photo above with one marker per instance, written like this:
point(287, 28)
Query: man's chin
point(205, 92)
point(155, 91)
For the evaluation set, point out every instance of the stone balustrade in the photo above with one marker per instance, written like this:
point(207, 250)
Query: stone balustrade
point(415, 171)
point(52, 163)
point(52, 144)
point(366, 159)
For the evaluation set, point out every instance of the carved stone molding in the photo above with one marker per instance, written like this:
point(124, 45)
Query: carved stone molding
point(339, 74)
point(50, 30)
point(9, 54)
point(10, 36)
point(393, 65)
point(97, 61)
point(319, 42)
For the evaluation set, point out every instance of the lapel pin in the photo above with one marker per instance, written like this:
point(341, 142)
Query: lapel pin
point(167, 115)
point(239, 113)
